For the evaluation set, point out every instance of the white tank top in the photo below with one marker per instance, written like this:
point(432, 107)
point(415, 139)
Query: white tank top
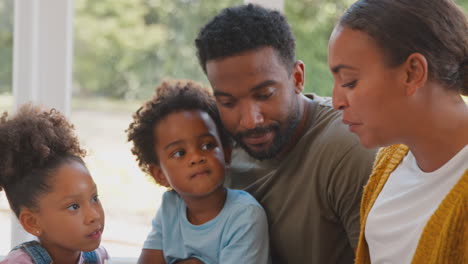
point(404, 206)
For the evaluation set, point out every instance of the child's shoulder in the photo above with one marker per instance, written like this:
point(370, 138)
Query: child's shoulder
point(241, 199)
point(17, 256)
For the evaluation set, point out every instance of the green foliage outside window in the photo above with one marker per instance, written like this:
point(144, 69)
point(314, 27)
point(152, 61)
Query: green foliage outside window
point(123, 48)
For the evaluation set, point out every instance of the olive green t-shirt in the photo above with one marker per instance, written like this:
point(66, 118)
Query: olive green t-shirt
point(312, 194)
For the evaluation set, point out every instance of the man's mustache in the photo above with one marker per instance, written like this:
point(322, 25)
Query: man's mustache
point(256, 131)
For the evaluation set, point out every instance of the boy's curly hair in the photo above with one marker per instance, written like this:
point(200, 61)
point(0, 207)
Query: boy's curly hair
point(245, 28)
point(170, 97)
point(33, 143)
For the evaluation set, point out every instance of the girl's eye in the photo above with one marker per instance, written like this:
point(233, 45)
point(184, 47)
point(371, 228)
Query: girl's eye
point(350, 84)
point(73, 207)
point(208, 146)
point(178, 154)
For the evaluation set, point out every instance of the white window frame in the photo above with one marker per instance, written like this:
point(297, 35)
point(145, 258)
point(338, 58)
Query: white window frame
point(42, 65)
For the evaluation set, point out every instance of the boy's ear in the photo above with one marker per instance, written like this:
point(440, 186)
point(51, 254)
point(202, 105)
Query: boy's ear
point(30, 222)
point(416, 69)
point(158, 175)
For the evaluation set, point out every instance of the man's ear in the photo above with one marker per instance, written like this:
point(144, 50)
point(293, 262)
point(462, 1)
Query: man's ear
point(298, 75)
point(30, 222)
point(158, 175)
point(416, 72)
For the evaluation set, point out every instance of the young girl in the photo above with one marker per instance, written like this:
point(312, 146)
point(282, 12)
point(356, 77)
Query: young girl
point(400, 67)
point(178, 139)
point(49, 189)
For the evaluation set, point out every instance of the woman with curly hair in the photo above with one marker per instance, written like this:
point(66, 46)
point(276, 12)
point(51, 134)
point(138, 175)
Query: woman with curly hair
point(49, 189)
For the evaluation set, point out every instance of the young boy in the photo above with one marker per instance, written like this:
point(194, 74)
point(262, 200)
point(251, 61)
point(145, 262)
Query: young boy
point(178, 139)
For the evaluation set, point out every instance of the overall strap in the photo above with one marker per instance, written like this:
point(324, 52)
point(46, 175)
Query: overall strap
point(37, 253)
point(90, 257)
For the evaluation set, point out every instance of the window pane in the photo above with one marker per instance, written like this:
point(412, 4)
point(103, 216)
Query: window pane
point(6, 102)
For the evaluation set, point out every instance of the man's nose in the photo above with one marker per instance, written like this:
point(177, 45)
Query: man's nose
point(251, 116)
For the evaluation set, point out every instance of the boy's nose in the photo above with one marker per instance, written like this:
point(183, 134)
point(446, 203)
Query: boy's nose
point(197, 158)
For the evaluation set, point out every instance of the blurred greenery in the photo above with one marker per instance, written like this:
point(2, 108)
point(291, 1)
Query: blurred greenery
point(124, 48)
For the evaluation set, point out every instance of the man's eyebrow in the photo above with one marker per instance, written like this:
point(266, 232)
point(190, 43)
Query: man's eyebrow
point(338, 67)
point(253, 89)
point(262, 85)
point(219, 93)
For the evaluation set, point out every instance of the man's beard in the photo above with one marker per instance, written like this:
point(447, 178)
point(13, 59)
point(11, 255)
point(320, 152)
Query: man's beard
point(279, 141)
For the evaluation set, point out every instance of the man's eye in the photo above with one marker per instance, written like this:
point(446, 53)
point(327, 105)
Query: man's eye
point(263, 96)
point(227, 104)
point(96, 198)
point(73, 207)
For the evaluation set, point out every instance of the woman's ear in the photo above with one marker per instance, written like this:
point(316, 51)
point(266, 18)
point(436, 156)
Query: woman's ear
point(416, 69)
point(30, 222)
point(158, 175)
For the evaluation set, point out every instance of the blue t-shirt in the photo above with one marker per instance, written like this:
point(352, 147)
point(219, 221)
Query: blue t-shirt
point(238, 234)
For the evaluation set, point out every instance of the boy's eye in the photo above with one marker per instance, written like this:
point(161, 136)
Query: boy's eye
point(178, 154)
point(73, 207)
point(208, 146)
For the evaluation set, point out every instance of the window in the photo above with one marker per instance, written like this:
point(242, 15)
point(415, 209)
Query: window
point(6, 102)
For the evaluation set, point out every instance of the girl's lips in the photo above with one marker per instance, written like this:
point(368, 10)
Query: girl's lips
point(96, 234)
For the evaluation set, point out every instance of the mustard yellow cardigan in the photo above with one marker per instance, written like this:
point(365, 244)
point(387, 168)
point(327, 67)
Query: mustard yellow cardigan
point(445, 237)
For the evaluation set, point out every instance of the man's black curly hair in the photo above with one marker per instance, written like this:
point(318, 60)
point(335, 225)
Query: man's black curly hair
point(170, 97)
point(33, 144)
point(245, 28)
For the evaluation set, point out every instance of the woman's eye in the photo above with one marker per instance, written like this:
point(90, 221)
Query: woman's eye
point(73, 207)
point(350, 84)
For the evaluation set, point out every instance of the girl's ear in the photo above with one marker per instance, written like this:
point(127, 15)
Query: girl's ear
point(30, 222)
point(416, 69)
point(158, 175)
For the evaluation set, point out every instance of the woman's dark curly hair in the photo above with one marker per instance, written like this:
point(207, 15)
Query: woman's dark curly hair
point(246, 28)
point(33, 144)
point(170, 97)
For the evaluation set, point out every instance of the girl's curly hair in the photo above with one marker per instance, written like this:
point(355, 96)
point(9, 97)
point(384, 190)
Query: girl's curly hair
point(33, 143)
point(170, 97)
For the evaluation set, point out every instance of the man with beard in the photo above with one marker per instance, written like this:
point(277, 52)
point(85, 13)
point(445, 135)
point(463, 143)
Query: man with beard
point(293, 154)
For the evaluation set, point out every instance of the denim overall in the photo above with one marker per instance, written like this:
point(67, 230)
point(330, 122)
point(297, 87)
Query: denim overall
point(40, 256)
